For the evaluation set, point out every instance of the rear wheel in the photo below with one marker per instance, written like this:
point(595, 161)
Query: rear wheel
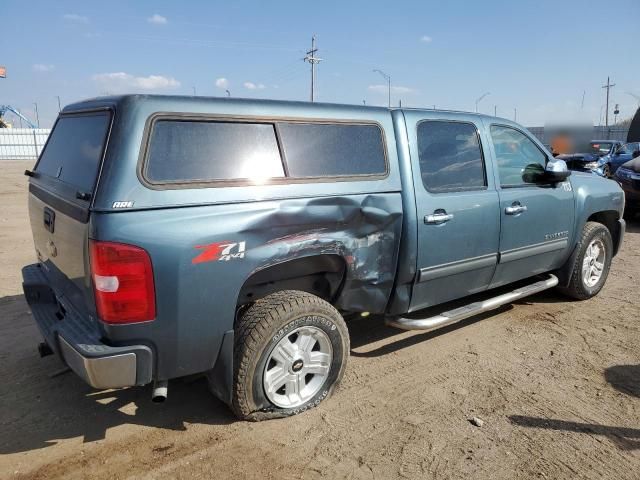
point(291, 349)
point(606, 170)
point(592, 262)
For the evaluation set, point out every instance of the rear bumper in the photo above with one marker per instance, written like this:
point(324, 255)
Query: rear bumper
point(77, 339)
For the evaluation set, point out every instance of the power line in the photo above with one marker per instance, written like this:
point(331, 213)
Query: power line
point(313, 60)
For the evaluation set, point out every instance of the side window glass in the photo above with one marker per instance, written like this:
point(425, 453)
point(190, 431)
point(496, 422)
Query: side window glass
point(212, 151)
point(450, 156)
point(520, 161)
point(332, 150)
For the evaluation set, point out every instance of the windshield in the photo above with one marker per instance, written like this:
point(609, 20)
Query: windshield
point(599, 148)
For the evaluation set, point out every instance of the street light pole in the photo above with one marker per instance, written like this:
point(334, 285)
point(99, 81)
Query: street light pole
point(388, 79)
point(37, 116)
point(479, 99)
point(58, 97)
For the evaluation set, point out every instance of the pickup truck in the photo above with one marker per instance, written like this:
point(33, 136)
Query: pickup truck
point(178, 236)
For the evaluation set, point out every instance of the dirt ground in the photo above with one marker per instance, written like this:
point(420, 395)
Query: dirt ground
point(557, 384)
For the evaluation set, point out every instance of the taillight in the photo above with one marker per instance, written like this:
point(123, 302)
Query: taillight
point(122, 282)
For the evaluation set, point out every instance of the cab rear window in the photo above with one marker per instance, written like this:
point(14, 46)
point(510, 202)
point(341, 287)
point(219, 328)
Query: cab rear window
point(74, 149)
point(202, 151)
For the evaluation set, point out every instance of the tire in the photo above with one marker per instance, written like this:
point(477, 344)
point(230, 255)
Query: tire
point(606, 170)
point(581, 286)
point(276, 335)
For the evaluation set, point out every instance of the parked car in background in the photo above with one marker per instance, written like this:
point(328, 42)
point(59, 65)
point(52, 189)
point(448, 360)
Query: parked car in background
point(598, 156)
point(628, 176)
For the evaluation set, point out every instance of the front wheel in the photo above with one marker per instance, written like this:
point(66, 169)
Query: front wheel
point(606, 170)
point(290, 352)
point(592, 262)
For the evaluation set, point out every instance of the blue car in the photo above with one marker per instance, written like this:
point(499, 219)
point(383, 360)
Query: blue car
point(601, 157)
point(613, 155)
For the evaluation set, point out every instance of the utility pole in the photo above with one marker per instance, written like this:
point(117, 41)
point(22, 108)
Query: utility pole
point(194, 91)
point(313, 60)
point(584, 92)
point(58, 97)
point(608, 86)
point(495, 110)
point(37, 116)
point(515, 114)
point(388, 79)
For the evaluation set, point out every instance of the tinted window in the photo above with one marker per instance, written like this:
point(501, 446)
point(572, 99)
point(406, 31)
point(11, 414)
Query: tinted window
point(450, 156)
point(209, 151)
point(520, 161)
point(320, 150)
point(74, 150)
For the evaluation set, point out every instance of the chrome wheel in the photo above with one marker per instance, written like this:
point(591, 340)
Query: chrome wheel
point(297, 367)
point(593, 263)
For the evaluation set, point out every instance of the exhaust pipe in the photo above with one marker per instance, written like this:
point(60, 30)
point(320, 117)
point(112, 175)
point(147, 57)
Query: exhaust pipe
point(159, 393)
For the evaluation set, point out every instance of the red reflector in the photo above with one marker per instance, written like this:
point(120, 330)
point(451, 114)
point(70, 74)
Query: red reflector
point(122, 278)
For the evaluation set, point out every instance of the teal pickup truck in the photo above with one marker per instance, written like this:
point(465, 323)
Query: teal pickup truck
point(230, 238)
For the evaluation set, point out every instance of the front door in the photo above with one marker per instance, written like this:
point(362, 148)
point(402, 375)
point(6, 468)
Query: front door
point(457, 206)
point(536, 218)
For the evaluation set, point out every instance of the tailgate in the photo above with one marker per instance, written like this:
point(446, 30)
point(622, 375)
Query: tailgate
point(60, 192)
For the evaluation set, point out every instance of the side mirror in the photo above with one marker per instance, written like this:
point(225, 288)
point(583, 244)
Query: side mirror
point(556, 171)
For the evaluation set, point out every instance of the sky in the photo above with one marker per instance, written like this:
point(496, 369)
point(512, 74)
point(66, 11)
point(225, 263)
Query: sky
point(535, 59)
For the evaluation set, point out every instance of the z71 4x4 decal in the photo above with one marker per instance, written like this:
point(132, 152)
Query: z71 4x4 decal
point(219, 252)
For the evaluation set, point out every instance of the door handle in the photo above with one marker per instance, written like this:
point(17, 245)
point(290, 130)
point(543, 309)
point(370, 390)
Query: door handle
point(438, 217)
point(49, 219)
point(515, 209)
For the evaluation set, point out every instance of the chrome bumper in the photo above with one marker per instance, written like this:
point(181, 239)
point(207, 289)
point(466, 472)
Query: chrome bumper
point(77, 339)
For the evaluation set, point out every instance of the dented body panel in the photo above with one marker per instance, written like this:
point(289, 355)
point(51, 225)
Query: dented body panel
point(197, 298)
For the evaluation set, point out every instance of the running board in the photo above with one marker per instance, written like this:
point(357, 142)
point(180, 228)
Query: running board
point(457, 314)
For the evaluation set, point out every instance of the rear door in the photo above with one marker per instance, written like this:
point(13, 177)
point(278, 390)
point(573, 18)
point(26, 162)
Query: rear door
point(536, 218)
point(60, 192)
point(457, 206)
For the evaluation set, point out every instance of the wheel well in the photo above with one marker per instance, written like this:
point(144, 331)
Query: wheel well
point(320, 275)
point(609, 219)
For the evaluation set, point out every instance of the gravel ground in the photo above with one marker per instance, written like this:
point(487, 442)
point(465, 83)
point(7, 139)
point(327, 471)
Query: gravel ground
point(554, 384)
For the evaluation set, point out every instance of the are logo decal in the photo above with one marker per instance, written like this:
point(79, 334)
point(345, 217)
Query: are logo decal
point(220, 252)
point(127, 204)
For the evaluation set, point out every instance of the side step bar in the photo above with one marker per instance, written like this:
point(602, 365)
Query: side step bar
point(457, 314)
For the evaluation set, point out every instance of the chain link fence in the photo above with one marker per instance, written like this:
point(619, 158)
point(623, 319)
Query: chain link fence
point(22, 143)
